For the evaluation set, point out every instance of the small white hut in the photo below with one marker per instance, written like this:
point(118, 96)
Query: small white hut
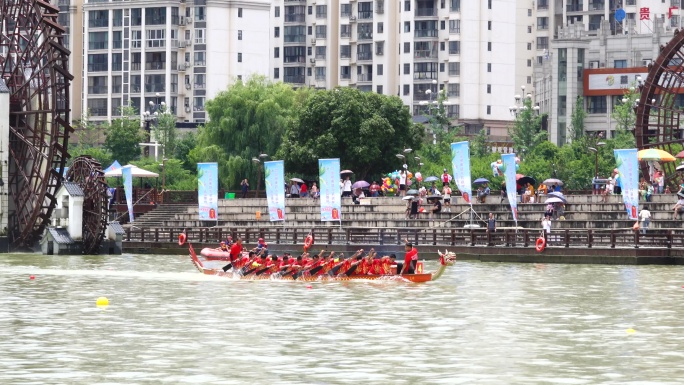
point(66, 234)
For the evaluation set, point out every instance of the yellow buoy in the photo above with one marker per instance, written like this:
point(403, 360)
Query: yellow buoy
point(102, 301)
point(631, 331)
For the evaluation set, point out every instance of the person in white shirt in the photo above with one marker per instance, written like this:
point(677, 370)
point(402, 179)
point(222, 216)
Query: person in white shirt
point(546, 228)
point(402, 181)
point(645, 217)
point(347, 189)
point(679, 205)
point(446, 191)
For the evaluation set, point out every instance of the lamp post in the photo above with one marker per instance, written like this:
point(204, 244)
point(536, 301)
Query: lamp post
point(259, 162)
point(150, 116)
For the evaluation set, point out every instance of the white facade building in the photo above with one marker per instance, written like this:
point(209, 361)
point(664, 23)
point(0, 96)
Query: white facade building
point(182, 53)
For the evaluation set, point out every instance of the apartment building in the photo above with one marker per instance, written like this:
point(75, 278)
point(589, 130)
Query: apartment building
point(586, 47)
point(71, 17)
point(178, 52)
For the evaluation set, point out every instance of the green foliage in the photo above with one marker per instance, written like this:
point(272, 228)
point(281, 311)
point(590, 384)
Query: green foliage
point(364, 129)
point(246, 120)
point(123, 136)
point(182, 150)
point(577, 119)
point(177, 177)
point(624, 113)
point(165, 131)
point(478, 146)
point(526, 131)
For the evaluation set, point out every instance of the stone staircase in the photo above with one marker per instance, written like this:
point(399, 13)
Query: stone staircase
point(582, 211)
point(157, 217)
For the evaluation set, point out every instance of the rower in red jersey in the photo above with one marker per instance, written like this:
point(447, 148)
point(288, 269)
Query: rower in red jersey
point(323, 265)
point(410, 260)
point(365, 264)
point(235, 253)
point(387, 262)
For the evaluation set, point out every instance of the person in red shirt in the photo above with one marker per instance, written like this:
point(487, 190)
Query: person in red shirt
point(235, 253)
point(376, 266)
point(374, 189)
point(410, 260)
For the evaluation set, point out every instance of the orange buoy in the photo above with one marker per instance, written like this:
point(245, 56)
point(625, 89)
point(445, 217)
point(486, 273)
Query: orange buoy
point(541, 244)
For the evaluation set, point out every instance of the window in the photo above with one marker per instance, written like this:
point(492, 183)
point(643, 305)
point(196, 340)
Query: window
point(380, 48)
point(308, 51)
point(97, 107)
point(276, 52)
point(381, 27)
point(345, 10)
point(321, 11)
point(198, 104)
point(454, 90)
point(454, 47)
point(364, 31)
point(542, 23)
point(489, 4)
point(529, 46)
point(276, 73)
point(97, 85)
point(200, 81)
point(529, 80)
point(454, 26)
point(379, 89)
point(239, 12)
point(529, 29)
point(277, 13)
point(489, 110)
point(425, 71)
point(596, 105)
point(200, 58)
point(529, 62)
point(320, 52)
point(489, 67)
point(542, 43)
point(345, 30)
point(489, 88)
point(309, 30)
point(379, 71)
point(276, 31)
point(240, 34)
point(155, 16)
point(455, 5)
point(454, 69)
point(310, 10)
point(489, 46)
point(200, 14)
point(239, 57)
point(97, 62)
point(529, 12)
point(441, 67)
point(98, 19)
point(407, 26)
point(345, 51)
point(489, 25)
point(620, 63)
point(442, 25)
point(407, 89)
point(321, 31)
point(98, 40)
point(116, 62)
point(200, 36)
point(294, 33)
point(320, 73)
point(441, 46)
point(156, 38)
point(407, 8)
point(136, 16)
point(407, 69)
point(407, 47)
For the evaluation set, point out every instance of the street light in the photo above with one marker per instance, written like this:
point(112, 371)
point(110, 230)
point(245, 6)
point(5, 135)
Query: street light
point(595, 151)
point(163, 167)
point(150, 116)
point(259, 162)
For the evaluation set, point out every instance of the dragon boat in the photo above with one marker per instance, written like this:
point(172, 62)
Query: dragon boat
point(445, 259)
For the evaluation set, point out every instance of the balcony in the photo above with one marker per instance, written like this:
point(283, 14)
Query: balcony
point(155, 65)
point(201, 63)
point(425, 33)
point(294, 39)
point(364, 56)
point(97, 67)
point(426, 12)
point(424, 75)
point(295, 18)
point(155, 87)
point(199, 86)
point(97, 89)
point(425, 54)
point(365, 77)
point(574, 7)
point(294, 59)
point(296, 79)
point(98, 23)
point(597, 6)
point(365, 15)
point(98, 111)
point(365, 36)
point(542, 4)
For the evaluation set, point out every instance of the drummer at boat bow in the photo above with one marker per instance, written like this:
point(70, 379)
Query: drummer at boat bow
point(410, 260)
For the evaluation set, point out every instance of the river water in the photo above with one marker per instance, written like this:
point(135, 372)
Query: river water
point(480, 323)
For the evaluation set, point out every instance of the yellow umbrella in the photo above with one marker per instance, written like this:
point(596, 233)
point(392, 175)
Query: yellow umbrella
point(654, 154)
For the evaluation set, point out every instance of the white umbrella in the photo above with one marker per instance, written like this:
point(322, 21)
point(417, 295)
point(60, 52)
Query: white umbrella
point(136, 172)
point(555, 200)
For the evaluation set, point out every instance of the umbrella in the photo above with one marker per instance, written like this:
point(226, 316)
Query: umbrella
point(555, 200)
point(680, 154)
point(114, 166)
point(296, 180)
point(481, 180)
point(360, 184)
point(407, 198)
point(135, 172)
point(655, 154)
point(412, 192)
point(558, 196)
point(431, 179)
point(552, 181)
point(346, 172)
point(681, 195)
point(522, 180)
point(434, 197)
point(680, 167)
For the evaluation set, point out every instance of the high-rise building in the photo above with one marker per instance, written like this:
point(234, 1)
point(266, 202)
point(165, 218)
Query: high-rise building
point(179, 52)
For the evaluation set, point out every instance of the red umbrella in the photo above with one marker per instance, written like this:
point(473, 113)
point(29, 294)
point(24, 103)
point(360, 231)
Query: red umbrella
point(680, 155)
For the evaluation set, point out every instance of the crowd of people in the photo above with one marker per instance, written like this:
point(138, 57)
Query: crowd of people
point(258, 261)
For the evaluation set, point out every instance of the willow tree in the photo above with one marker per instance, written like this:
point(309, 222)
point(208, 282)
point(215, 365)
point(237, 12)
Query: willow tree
point(246, 120)
point(364, 129)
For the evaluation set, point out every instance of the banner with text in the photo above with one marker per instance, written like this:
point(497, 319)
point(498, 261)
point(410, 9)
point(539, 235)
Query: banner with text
point(274, 174)
point(460, 162)
point(207, 191)
point(509, 175)
point(329, 179)
point(628, 169)
point(126, 173)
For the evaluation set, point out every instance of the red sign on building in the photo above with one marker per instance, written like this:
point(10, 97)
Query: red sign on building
point(644, 13)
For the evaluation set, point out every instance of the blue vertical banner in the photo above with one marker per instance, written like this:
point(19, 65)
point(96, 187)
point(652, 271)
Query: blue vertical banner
point(126, 173)
point(511, 191)
point(460, 162)
point(329, 179)
point(274, 175)
point(628, 169)
point(207, 191)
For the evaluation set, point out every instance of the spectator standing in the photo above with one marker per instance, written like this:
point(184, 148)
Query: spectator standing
point(347, 188)
point(645, 217)
point(661, 182)
point(294, 190)
point(402, 181)
point(491, 223)
point(446, 191)
point(314, 191)
point(617, 184)
point(446, 178)
point(303, 191)
point(244, 185)
point(546, 228)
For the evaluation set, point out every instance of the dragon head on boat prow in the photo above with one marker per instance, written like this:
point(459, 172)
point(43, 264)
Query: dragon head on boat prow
point(447, 258)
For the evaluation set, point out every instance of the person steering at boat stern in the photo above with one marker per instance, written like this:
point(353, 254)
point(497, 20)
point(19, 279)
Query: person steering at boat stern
point(236, 250)
point(410, 259)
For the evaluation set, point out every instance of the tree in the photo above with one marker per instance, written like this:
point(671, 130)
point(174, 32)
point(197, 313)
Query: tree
point(124, 135)
point(478, 146)
point(165, 131)
point(527, 128)
point(624, 113)
point(88, 138)
point(577, 119)
point(182, 149)
point(364, 129)
point(245, 121)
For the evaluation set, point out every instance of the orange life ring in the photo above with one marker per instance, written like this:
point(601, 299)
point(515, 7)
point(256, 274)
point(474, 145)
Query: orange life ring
point(541, 244)
point(308, 241)
point(181, 239)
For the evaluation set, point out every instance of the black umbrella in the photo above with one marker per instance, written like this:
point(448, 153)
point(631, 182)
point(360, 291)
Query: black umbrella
point(523, 180)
